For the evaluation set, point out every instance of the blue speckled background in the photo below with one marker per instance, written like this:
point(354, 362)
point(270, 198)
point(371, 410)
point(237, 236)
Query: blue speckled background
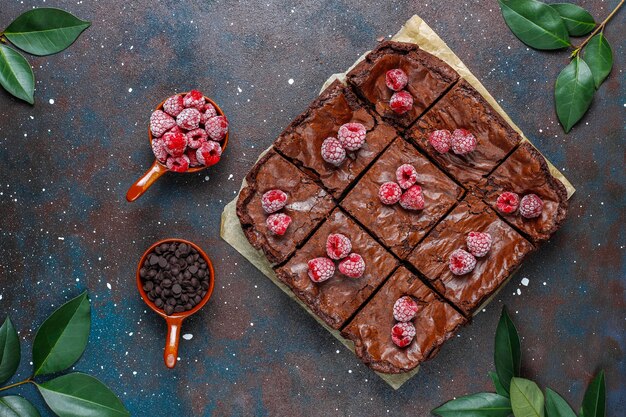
point(65, 225)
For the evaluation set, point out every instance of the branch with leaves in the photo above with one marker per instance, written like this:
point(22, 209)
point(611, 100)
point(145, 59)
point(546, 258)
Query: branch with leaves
point(59, 343)
point(519, 396)
point(549, 27)
point(42, 31)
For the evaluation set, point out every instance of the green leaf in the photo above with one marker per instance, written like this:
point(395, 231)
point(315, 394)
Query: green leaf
point(595, 398)
point(62, 338)
point(577, 20)
point(80, 395)
point(507, 352)
point(16, 75)
point(573, 92)
point(9, 351)
point(496, 383)
point(16, 406)
point(483, 404)
point(556, 406)
point(45, 31)
point(535, 23)
point(526, 398)
point(599, 57)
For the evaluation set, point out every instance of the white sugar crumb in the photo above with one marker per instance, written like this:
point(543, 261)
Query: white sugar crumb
point(187, 336)
point(130, 90)
point(51, 101)
point(525, 282)
point(108, 285)
point(519, 292)
point(290, 81)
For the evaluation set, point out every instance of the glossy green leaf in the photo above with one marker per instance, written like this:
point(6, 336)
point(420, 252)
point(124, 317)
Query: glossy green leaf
point(80, 395)
point(578, 21)
point(16, 406)
point(62, 338)
point(16, 75)
point(535, 23)
point(45, 31)
point(526, 398)
point(9, 351)
point(556, 406)
point(507, 351)
point(599, 57)
point(483, 404)
point(594, 402)
point(498, 385)
point(573, 92)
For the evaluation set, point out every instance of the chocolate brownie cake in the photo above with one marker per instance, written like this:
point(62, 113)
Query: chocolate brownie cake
point(301, 142)
point(370, 330)
point(336, 299)
point(428, 78)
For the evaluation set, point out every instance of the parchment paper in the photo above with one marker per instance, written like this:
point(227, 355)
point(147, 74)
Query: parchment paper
point(415, 30)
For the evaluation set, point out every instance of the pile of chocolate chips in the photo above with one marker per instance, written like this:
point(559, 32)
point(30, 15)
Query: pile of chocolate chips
point(175, 277)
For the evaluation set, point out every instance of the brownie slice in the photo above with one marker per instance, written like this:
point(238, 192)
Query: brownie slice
point(465, 108)
point(301, 142)
point(468, 292)
point(307, 205)
point(429, 77)
point(526, 171)
point(336, 299)
point(399, 229)
point(436, 321)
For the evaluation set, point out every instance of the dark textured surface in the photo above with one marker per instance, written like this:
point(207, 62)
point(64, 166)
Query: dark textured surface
point(66, 226)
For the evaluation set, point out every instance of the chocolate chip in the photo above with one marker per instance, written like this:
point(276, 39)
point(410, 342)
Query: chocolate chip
point(158, 302)
point(154, 259)
point(193, 269)
point(148, 286)
point(162, 262)
point(179, 309)
point(176, 289)
point(143, 272)
point(169, 310)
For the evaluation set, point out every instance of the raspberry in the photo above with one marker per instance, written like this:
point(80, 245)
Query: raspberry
point(209, 153)
point(278, 223)
point(352, 136)
point(396, 79)
point(173, 105)
point(463, 141)
point(402, 334)
point(478, 243)
point(194, 99)
point(406, 175)
point(158, 148)
point(175, 143)
point(193, 159)
point(412, 199)
point(196, 137)
point(332, 151)
point(461, 262)
point(530, 206)
point(161, 122)
point(507, 202)
point(178, 164)
point(338, 246)
point(321, 269)
point(405, 309)
point(353, 266)
point(176, 129)
point(207, 112)
point(401, 102)
point(217, 127)
point(389, 193)
point(440, 140)
point(188, 119)
point(273, 200)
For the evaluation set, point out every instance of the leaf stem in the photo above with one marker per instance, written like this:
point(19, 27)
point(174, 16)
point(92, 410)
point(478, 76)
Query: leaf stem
point(17, 384)
point(597, 29)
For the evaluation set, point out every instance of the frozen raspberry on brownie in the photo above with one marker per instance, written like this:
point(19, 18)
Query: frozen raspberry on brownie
point(413, 198)
point(478, 243)
point(338, 246)
point(194, 99)
point(530, 206)
point(196, 137)
point(321, 269)
point(278, 223)
point(158, 148)
point(461, 262)
point(332, 151)
point(175, 143)
point(217, 127)
point(352, 136)
point(406, 175)
point(273, 200)
point(188, 119)
point(193, 159)
point(396, 79)
point(402, 334)
point(207, 112)
point(507, 202)
point(209, 153)
point(401, 102)
point(405, 309)
point(389, 193)
point(440, 140)
point(161, 122)
point(353, 266)
point(174, 105)
point(463, 141)
point(178, 164)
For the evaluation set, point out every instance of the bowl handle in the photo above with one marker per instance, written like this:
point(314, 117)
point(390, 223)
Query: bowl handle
point(142, 184)
point(173, 337)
